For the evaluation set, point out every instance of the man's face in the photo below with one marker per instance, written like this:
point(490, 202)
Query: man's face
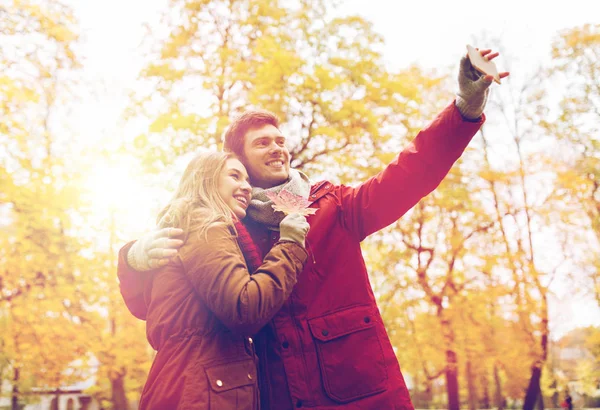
point(266, 156)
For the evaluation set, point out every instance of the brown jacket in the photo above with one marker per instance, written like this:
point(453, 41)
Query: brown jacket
point(201, 309)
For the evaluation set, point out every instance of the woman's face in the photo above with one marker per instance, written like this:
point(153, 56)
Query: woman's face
point(234, 188)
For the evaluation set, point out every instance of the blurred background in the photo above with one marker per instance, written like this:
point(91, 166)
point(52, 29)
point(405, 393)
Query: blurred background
point(491, 281)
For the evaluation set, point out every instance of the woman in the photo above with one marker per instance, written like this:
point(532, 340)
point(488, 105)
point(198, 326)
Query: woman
point(205, 303)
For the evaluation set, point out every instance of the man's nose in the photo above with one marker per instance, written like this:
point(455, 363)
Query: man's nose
point(275, 148)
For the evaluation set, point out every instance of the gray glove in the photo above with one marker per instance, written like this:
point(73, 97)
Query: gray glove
point(294, 228)
point(154, 249)
point(473, 90)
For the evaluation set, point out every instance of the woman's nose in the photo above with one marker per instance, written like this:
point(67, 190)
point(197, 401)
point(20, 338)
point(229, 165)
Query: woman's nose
point(246, 186)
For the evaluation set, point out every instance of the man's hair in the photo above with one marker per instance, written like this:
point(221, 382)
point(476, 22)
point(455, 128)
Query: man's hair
point(233, 140)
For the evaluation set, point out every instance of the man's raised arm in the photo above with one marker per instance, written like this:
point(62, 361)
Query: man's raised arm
point(424, 163)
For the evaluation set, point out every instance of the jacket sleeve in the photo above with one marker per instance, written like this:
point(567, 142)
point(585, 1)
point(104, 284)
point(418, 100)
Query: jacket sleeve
point(417, 171)
point(218, 272)
point(131, 285)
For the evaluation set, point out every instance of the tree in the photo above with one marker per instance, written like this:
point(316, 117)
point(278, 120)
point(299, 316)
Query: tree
point(323, 75)
point(434, 242)
point(39, 255)
point(522, 187)
point(575, 67)
point(56, 279)
point(116, 339)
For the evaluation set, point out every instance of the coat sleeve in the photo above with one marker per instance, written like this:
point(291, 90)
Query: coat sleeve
point(417, 171)
point(131, 285)
point(243, 302)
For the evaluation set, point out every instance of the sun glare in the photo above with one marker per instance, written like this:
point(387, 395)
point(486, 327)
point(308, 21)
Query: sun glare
point(115, 192)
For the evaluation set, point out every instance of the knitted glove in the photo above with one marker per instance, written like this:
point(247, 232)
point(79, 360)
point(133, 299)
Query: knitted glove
point(154, 249)
point(294, 228)
point(473, 90)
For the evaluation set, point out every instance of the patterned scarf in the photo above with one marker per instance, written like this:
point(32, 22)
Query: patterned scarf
point(250, 251)
point(260, 208)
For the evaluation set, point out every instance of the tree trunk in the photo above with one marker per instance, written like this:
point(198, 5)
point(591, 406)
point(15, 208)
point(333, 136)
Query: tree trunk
point(470, 384)
point(452, 380)
point(427, 394)
point(498, 394)
point(486, 390)
point(540, 401)
point(533, 390)
point(119, 399)
point(14, 401)
point(451, 371)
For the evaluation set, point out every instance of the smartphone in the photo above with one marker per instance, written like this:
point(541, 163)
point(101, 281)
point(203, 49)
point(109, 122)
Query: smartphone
point(482, 64)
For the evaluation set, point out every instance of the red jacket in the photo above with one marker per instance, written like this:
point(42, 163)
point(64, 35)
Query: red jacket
point(327, 347)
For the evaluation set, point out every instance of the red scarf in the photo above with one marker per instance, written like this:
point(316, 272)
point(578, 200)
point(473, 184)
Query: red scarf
point(249, 248)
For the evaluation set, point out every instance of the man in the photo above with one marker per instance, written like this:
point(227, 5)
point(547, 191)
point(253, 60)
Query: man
point(568, 401)
point(327, 348)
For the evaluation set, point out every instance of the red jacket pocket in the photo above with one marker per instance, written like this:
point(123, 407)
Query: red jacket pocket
point(350, 353)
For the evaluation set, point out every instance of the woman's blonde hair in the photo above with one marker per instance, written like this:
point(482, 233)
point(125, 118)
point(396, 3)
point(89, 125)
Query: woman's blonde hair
point(197, 204)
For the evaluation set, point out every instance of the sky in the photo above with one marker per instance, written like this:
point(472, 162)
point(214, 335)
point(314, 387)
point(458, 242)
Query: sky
point(430, 33)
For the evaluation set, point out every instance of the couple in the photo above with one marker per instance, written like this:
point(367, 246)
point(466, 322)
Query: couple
point(319, 340)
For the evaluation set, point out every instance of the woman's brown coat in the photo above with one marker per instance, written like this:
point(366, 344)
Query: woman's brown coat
point(202, 308)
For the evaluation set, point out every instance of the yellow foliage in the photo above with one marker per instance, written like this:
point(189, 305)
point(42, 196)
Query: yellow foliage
point(455, 274)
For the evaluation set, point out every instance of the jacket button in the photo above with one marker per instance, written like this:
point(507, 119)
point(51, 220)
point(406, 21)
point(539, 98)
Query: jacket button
point(250, 340)
point(219, 383)
point(313, 196)
point(285, 345)
point(249, 376)
point(367, 319)
point(324, 332)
